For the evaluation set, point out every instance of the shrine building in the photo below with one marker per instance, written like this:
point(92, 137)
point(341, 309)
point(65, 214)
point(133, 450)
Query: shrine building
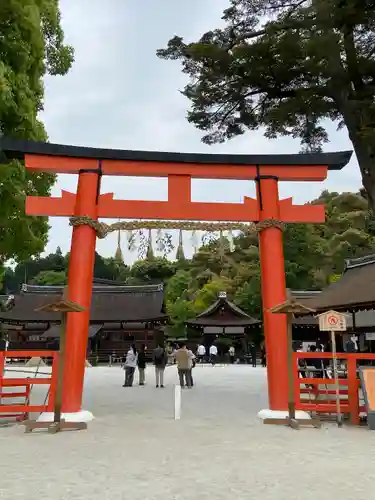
point(354, 294)
point(120, 315)
point(224, 320)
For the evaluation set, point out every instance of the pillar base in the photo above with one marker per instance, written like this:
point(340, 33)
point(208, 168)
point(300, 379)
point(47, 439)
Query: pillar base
point(277, 414)
point(79, 416)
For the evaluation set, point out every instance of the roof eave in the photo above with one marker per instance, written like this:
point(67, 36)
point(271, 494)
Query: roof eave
point(16, 149)
point(229, 325)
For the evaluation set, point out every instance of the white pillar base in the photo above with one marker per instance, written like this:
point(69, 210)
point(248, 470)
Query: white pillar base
point(263, 414)
point(79, 416)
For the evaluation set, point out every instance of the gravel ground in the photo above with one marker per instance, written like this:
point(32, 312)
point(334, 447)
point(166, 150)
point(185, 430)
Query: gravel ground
point(134, 449)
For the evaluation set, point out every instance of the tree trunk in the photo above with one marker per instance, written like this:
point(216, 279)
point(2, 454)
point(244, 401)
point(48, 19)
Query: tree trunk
point(366, 159)
point(361, 131)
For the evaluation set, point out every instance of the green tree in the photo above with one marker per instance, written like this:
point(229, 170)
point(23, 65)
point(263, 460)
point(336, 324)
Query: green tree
point(248, 297)
point(286, 65)
point(155, 270)
point(25, 271)
point(178, 286)
point(179, 312)
point(209, 293)
point(50, 278)
point(304, 251)
point(31, 46)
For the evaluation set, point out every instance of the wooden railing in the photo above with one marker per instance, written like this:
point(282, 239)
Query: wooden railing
point(27, 382)
point(349, 385)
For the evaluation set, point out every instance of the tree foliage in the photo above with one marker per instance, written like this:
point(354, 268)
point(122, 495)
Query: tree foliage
point(314, 255)
point(50, 278)
point(31, 46)
point(286, 65)
point(53, 270)
point(151, 270)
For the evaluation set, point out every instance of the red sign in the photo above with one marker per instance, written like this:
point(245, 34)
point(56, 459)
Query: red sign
point(332, 320)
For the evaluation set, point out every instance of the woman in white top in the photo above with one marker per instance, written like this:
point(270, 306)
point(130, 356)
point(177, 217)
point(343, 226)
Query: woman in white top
point(130, 366)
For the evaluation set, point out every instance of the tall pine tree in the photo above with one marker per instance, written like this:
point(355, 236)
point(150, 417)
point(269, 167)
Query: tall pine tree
point(286, 65)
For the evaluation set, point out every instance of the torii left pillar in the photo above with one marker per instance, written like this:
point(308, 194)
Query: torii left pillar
point(273, 289)
point(80, 278)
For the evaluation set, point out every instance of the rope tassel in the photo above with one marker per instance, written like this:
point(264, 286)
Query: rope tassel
point(150, 251)
point(180, 255)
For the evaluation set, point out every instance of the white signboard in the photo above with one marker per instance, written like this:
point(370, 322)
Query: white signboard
point(232, 330)
point(213, 329)
point(370, 336)
point(332, 321)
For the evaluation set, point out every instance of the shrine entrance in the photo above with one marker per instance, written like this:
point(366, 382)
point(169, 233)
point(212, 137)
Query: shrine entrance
point(267, 211)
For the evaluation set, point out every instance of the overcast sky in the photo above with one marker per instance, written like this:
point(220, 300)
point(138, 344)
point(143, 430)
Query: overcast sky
point(118, 94)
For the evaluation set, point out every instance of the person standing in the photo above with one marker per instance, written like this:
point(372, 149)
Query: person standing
point(350, 346)
point(169, 354)
point(263, 354)
point(191, 365)
point(253, 354)
point(201, 353)
point(213, 354)
point(184, 364)
point(141, 363)
point(130, 366)
point(160, 359)
point(232, 354)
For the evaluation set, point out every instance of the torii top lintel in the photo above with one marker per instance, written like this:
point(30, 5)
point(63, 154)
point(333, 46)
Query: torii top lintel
point(56, 158)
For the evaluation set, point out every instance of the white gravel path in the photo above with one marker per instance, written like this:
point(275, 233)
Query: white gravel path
point(218, 450)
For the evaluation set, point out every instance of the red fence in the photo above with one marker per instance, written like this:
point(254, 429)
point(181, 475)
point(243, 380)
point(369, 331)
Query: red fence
point(349, 400)
point(17, 409)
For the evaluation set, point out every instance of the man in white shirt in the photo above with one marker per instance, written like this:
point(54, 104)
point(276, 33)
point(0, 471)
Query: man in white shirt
point(201, 353)
point(213, 354)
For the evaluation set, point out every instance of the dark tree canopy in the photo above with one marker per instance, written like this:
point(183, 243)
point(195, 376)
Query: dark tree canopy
point(286, 65)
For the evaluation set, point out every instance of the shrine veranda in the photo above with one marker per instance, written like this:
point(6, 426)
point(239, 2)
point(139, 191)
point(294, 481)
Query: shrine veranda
point(219, 449)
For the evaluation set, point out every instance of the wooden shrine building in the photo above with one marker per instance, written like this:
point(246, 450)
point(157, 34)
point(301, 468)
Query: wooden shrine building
point(224, 323)
point(120, 315)
point(354, 294)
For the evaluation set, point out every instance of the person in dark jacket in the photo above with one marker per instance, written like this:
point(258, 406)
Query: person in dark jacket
point(253, 354)
point(263, 354)
point(350, 346)
point(141, 363)
point(160, 359)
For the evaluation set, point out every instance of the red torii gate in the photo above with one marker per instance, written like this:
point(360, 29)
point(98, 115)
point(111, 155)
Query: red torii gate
point(268, 210)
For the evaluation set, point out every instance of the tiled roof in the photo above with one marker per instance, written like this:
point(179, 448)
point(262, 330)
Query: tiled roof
point(223, 312)
point(54, 331)
point(109, 303)
point(355, 290)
